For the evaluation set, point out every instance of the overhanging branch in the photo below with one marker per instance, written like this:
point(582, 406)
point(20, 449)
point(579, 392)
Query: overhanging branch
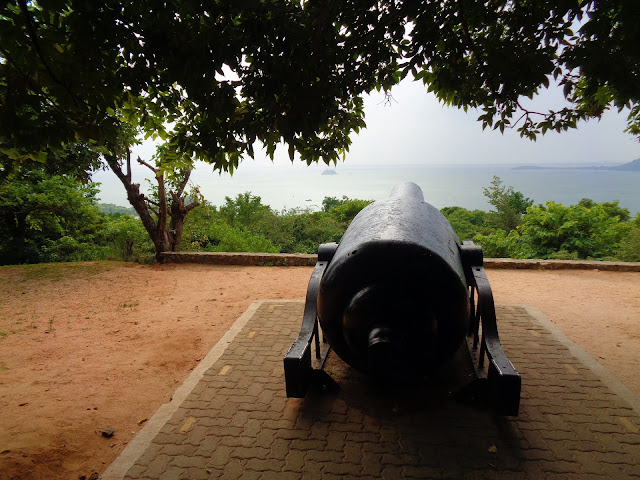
point(149, 166)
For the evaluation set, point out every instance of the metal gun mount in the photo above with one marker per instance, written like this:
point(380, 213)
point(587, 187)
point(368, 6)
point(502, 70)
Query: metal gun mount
point(398, 296)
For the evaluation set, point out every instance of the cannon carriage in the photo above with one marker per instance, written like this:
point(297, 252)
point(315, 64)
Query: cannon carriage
point(398, 297)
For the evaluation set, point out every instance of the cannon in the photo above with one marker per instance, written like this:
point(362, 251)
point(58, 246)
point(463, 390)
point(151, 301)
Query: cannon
point(396, 298)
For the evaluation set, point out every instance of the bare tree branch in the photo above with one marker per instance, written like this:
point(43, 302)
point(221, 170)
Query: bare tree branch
point(531, 112)
point(152, 168)
point(191, 206)
point(185, 179)
point(128, 164)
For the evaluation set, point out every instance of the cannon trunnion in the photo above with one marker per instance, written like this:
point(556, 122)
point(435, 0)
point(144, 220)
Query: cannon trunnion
point(397, 298)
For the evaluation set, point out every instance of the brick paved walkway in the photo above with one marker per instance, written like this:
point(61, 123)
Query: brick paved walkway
point(236, 422)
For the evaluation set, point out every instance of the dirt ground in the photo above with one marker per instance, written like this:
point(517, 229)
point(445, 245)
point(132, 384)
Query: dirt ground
point(91, 346)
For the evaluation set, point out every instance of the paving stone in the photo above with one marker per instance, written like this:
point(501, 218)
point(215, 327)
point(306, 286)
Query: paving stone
point(233, 470)
point(157, 466)
point(265, 465)
point(243, 426)
point(294, 460)
point(172, 473)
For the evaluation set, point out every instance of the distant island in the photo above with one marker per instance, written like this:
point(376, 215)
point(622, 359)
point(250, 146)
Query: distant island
point(633, 166)
point(328, 171)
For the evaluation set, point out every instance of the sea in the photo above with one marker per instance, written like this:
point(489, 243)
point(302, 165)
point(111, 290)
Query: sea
point(295, 186)
point(287, 186)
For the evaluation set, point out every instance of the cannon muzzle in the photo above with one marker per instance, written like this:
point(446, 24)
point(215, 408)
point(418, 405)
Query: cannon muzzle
point(394, 297)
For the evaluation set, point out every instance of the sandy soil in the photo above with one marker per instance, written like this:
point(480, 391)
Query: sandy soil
point(102, 345)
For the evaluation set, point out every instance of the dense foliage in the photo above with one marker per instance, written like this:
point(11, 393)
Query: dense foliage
point(45, 218)
point(80, 80)
point(52, 218)
point(588, 230)
point(245, 224)
point(221, 72)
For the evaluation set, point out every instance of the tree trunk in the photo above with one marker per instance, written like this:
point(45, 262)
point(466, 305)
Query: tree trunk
point(178, 213)
point(164, 239)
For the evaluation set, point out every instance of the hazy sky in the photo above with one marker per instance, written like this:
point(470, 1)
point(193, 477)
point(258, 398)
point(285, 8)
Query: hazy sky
point(416, 129)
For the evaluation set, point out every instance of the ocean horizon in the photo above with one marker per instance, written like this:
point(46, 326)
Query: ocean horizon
point(296, 186)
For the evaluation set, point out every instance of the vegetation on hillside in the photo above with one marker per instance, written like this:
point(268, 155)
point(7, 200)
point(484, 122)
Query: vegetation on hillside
point(587, 230)
point(50, 218)
point(56, 218)
point(213, 81)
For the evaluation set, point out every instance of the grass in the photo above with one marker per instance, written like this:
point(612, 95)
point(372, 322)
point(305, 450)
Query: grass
point(133, 304)
point(50, 327)
point(57, 271)
point(5, 333)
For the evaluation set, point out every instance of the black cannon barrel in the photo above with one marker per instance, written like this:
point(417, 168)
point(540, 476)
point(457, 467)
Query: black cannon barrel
point(394, 298)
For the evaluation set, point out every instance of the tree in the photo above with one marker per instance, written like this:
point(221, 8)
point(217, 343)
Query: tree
point(557, 231)
point(47, 218)
point(163, 216)
point(467, 223)
point(493, 55)
point(247, 211)
point(214, 78)
point(509, 204)
point(221, 72)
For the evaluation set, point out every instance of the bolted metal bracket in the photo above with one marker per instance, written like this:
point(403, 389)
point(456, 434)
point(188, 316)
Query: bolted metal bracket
point(301, 371)
point(503, 382)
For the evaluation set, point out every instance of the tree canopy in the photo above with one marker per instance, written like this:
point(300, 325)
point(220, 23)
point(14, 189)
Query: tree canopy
point(214, 78)
point(43, 218)
point(509, 204)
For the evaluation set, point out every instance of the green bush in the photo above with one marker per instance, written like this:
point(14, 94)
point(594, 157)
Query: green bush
point(586, 232)
point(560, 232)
point(629, 247)
point(68, 249)
point(245, 224)
point(222, 237)
point(206, 229)
point(126, 239)
point(304, 231)
point(467, 223)
point(345, 211)
point(46, 218)
point(499, 244)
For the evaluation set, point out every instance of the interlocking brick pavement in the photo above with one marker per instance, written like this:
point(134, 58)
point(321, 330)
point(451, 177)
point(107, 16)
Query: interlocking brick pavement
point(237, 423)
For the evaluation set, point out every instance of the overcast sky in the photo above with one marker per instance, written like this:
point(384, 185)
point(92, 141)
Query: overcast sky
point(415, 129)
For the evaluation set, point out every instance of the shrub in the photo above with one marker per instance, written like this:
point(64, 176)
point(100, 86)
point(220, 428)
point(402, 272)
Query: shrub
point(499, 244)
point(629, 247)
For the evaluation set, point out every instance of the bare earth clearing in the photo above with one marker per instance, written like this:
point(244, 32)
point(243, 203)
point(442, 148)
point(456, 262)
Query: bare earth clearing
point(91, 346)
